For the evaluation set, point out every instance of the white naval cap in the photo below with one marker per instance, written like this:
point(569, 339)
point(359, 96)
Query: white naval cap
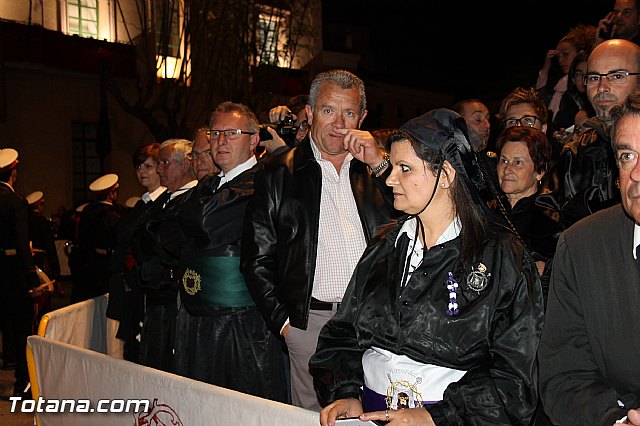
point(8, 159)
point(104, 183)
point(131, 201)
point(34, 197)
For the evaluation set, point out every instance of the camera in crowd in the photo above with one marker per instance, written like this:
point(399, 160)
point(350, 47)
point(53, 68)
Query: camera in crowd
point(286, 129)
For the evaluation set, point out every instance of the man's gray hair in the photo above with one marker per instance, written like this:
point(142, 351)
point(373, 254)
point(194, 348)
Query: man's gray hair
point(181, 147)
point(343, 79)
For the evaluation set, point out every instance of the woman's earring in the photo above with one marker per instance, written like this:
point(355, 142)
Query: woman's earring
point(442, 184)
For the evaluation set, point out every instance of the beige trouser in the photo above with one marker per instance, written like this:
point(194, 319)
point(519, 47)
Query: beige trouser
point(302, 345)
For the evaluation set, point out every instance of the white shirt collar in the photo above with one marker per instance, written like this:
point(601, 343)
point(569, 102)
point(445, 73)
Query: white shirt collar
point(636, 238)
point(10, 187)
point(151, 196)
point(452, 231)
point(236, 171)
point(183, 189)
point(318, 155)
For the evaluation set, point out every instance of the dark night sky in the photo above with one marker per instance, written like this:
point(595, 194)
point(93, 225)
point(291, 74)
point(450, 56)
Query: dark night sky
point(466, 49)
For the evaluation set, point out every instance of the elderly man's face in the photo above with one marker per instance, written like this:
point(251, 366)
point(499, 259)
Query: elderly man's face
point(172, 174)
point(627, 149)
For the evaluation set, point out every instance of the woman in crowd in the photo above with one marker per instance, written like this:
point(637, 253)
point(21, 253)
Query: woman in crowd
point(438, 303)
point(524, 154)
point(126, 298)
point(557, 92)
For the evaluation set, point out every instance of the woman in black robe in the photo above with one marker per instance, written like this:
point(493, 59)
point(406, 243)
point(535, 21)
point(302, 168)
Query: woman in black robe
point(442, 317)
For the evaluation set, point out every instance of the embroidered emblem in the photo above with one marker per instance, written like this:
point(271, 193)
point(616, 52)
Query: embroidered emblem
point(478, 278)
point(191, 282)
point(453, 288)
point(401, 394)
point(156, 415)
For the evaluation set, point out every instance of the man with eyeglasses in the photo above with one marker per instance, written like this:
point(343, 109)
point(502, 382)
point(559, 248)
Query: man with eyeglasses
point(200, 155)
point(314, 208)
point(622, 22)
point(158, 245)
point(588, 354)
point(586, 172)
point(222, 338)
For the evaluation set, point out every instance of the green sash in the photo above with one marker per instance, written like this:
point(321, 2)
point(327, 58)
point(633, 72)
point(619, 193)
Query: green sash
point(214, 282)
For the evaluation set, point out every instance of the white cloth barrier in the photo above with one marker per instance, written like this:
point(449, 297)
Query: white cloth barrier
point(67, 372)
point(83, 324)
point(63, 259)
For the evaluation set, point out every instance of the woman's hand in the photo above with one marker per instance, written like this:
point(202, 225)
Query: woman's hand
point(340, 409)
point(409, 416)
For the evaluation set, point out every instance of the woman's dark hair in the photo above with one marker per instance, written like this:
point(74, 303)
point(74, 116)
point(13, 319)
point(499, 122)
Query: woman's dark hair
point(141, 154)
point(537, 144)
point(471, 216)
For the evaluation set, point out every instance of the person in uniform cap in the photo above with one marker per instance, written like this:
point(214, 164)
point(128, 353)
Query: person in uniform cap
point(18, 270)
point(96, 239)
point(43, 245)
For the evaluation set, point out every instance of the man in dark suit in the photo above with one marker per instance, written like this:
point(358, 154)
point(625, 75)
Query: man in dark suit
point(157, 247)
point(588, 354)
point(17, 268)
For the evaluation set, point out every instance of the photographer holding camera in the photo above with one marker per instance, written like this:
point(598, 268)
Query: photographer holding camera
point(292, 118)
point(286, 128)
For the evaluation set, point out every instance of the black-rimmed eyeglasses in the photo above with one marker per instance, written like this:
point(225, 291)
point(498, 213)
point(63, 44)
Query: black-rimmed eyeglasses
point(228, 133)
point(525, 120)
point(195, 155)
point(614, 77)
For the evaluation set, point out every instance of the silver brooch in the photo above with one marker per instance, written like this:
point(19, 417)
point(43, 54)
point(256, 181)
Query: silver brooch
point(478, 278)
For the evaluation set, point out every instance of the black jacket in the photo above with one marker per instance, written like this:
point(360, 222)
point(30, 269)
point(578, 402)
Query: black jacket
point(585, 175)
point(14, 236)
point(589, 349)
point(493, 338)
point(278, 254)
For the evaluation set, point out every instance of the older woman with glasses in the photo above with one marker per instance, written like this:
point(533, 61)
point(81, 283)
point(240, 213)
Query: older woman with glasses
point(438, 302)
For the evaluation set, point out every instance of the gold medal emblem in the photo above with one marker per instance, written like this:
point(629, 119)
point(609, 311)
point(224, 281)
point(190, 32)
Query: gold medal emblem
point(191, 282)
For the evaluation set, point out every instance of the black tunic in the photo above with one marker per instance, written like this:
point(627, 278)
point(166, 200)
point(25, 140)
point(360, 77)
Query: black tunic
point(494, 338)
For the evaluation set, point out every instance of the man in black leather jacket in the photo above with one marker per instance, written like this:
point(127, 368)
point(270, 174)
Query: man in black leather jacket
point(586, 172)
point(314, 209)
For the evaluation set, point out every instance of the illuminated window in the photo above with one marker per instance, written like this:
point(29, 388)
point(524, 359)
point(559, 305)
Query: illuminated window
point(168, 18)
point(82, 16)
point(271, 34)
point(167, 25)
